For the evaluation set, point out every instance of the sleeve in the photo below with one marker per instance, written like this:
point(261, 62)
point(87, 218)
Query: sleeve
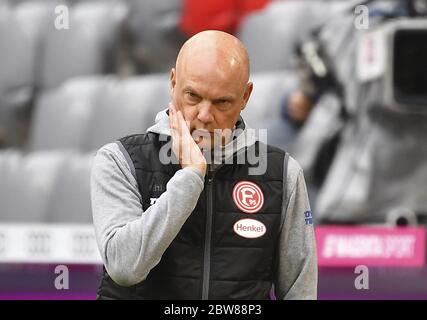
point(296, 277)
point(131, 241)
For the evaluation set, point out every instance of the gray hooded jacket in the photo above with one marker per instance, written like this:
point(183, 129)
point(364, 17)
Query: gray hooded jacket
point(131, 241)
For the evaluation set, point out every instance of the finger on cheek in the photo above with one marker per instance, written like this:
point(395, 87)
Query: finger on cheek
point(181, 116)
point(172, 107)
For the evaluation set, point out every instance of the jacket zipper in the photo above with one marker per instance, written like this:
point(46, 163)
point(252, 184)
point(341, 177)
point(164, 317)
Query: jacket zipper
point(208, 236)
point(208, 232)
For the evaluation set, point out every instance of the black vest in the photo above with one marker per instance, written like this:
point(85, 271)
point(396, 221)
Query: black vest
point(208, 259)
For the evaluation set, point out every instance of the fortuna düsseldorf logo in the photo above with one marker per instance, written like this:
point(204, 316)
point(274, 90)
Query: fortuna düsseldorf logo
point(248, 197)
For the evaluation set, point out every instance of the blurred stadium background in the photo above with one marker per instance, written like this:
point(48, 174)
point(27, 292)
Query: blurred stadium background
point(348, 100)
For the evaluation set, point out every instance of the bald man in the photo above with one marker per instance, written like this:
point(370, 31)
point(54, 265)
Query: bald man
point(180, 212)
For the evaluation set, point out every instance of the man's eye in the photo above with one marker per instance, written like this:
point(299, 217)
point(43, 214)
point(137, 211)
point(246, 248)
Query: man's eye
point(222, 103)
point(191, 95)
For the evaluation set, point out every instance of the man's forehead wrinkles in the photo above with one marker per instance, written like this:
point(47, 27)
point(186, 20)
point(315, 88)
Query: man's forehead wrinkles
point(226, 95)
point(215, 76)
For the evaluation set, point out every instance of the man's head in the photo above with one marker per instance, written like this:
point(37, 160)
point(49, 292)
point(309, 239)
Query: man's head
point(210, 84)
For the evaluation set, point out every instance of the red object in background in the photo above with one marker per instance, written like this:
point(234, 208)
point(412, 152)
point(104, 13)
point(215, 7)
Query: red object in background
point(224, 15)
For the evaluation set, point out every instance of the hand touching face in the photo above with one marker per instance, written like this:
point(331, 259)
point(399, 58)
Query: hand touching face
point(183, 144)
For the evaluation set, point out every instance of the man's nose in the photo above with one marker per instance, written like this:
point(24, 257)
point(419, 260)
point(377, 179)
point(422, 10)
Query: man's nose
point(205, 112)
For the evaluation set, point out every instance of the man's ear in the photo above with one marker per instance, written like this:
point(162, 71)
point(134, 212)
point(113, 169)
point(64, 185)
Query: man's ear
point(172, 81)
point(247, 94)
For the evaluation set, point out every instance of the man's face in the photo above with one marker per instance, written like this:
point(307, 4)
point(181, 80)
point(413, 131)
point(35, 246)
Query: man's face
point(211, 100)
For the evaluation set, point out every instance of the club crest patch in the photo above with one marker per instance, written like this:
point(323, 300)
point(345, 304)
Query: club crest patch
point(248, 197)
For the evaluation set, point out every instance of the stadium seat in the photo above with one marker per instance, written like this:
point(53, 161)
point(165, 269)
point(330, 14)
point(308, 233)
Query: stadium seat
point(16, 55)
point(127, 107)
point(153, 27)
point(16, 73)
point(26, 184)
point(271, 35)
point(263, 109)
point(88, 47)
point(36, 18)
point(264, 103)
point(70, 199)
point(62, 115)
point(7, 159)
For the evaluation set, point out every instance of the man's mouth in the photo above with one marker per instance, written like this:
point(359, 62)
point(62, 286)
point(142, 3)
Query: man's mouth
point(202, 134)
point(198, 134)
